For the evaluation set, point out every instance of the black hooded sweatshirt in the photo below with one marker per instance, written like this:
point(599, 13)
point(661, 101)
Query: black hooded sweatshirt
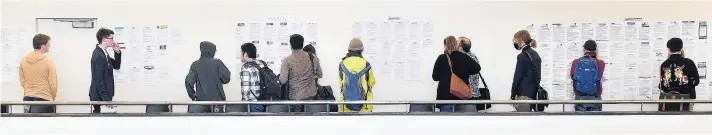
point(207, 75)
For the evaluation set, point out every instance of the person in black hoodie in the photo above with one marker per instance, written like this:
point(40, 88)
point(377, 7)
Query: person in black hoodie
point(205, 80)
point(462, 65)
point(527, 74)
point(102, 74)
point(678, 74)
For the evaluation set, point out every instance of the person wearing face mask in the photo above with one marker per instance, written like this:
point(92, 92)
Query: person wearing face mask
point(102, 65)
point(527, 74)
point(38, 76)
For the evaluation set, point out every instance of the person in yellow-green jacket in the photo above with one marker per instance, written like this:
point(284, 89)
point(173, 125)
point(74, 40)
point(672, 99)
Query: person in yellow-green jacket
point(356, 79)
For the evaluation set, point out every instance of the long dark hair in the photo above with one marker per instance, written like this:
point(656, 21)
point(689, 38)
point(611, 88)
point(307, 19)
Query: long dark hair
point(309, 49)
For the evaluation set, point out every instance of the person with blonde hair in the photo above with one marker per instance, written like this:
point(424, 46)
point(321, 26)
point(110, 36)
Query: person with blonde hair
point(527, 74)
point(452, 61)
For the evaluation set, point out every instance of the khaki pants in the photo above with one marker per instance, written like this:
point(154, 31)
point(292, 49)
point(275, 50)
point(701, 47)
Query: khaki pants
point(523, 107)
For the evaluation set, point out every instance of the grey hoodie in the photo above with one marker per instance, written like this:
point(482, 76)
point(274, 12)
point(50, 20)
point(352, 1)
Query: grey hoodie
point(207, 75)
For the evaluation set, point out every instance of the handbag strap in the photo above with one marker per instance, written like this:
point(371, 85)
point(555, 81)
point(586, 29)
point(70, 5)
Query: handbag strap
point(531, 63)
point(449, 63)
point(311, 60)
point(483, 81)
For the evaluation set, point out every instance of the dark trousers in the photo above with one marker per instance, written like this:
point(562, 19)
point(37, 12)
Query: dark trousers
point(674, 107)
point(38, 108)
point(299, 108)
point(206, 108)
point(96, 109)
point(4, 109)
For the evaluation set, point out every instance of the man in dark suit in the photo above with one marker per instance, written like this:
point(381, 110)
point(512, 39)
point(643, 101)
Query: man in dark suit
point(102, 75)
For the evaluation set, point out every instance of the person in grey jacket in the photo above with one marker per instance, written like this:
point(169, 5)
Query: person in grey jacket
point(527, 74)
point(205, 80)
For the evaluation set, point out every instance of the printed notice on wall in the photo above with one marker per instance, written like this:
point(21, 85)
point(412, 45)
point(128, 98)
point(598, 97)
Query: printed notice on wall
point(632, 50)
point(398, 45)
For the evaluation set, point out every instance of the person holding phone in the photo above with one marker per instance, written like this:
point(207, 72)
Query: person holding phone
point(102, 65)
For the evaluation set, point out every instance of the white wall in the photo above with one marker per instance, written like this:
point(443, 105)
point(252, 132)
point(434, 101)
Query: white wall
point(489, 24)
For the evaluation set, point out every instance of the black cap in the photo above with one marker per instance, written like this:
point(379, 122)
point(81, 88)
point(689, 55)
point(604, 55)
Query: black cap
point(590, 45)
point(674, 44)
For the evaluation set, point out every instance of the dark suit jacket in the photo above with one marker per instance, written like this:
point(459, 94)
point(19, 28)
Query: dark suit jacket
point(102, 75)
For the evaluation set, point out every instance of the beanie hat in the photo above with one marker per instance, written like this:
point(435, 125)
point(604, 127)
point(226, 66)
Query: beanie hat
point(674, 44)
point(355, 45)
point(590, 45)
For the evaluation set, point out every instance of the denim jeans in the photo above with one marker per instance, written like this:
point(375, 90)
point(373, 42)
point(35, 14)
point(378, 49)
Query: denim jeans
point(257, 108)
point(588, 107)
point(447, 108)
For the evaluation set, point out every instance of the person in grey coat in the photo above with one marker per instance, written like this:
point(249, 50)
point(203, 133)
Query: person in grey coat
point(205, 80)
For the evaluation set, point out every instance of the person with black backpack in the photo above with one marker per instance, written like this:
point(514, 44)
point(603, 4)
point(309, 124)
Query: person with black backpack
point(251, 81)
point(678, 78)
point(586, 74)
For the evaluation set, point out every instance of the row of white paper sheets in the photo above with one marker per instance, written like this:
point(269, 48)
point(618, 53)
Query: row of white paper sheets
point(272, 38)
point(145, 53)
point(632, 50)
point(15, 45)
point(395, 47)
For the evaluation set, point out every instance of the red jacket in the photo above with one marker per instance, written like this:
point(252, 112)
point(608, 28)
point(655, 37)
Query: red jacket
point(601, 68)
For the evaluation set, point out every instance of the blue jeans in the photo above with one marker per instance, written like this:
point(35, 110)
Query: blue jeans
point(257, 108)
point(447, 108)
point(588, 107)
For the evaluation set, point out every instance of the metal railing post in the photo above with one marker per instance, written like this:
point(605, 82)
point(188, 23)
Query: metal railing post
point(249, 108)
point(563, 107)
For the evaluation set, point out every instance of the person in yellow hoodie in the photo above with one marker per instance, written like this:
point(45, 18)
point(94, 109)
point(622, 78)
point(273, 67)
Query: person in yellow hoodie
point(355, 66)
point(38, 76)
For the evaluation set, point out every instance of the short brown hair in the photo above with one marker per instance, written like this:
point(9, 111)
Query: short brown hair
point(524, 36)
point(39, 40)
point(451, 44)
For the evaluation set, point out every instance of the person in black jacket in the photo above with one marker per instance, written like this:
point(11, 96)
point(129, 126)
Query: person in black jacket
point(678, 74)
point(527, 74)
point(102, 75)
point(205, 79)
point(462, 65)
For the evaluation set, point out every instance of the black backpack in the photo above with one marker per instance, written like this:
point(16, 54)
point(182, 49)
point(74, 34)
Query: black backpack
point(269, 84)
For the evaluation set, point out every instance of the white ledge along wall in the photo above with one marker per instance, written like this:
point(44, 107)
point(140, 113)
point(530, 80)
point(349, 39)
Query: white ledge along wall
point(490, 25)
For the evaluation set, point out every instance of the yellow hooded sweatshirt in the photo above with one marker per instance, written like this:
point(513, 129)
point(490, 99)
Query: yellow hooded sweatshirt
point(38, 76)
